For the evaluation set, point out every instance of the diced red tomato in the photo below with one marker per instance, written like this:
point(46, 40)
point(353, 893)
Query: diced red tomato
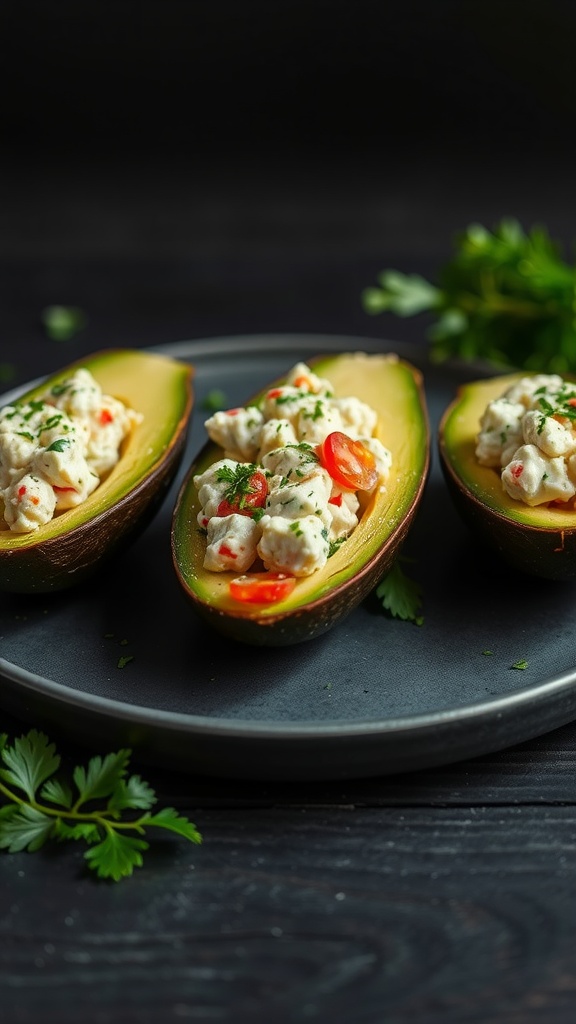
point(244, 504)
point(262, 587)
point(105, 417)
point(226, 551)
point(350, 463)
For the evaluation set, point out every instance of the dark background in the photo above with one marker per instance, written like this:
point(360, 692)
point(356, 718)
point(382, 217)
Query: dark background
point(181, 169)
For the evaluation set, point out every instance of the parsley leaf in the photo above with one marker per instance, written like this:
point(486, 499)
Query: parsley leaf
point(243, 481)
point(42, 806)
point(30, 762)
point(506, 296)
point(59, 445)
point(400, 595)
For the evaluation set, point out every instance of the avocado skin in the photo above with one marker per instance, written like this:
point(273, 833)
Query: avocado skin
point(68, 560)
point(530, 547)
point(313, 619)
point(549, 554)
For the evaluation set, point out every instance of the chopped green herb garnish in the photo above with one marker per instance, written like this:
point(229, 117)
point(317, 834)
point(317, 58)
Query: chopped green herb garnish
point(125, 660)
point(214, 401)
point(32, 407)
point(520, 664)
point(60, 389)
point(335, 545)
point(51, 422)
point(90, 806)
point(318, 411)
point(240, 481)
point(59, 445)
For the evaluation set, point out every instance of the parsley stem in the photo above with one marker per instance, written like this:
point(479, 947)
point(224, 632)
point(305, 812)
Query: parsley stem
point(98, 817)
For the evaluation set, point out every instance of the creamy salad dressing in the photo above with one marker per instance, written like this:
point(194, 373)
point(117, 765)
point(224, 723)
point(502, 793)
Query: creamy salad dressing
point(303, 514)
point(528, 434)
point(55, 449)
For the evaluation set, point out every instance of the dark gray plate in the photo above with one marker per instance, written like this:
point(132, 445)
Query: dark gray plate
point(375, 695)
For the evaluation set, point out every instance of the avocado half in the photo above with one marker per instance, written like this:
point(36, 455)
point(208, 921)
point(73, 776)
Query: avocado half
point(539, 540)
point(395, 390)
point(76, 542)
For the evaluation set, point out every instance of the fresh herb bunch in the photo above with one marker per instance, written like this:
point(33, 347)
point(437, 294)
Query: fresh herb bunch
point(43, 806)
point(507, 296)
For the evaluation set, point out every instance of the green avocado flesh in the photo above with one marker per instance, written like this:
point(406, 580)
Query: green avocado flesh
point(394, 389)
point(539, 540)
point(66, 549)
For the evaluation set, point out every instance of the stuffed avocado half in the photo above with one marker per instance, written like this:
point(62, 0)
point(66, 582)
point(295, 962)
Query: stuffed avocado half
point(540, 538)
point(316, 602)
point(155, 391)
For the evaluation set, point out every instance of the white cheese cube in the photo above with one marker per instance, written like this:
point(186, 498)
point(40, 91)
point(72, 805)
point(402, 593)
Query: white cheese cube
point(29, 502)
point(303, 378)
point(317, 417)
point(343, 506)
point(293, 462)
point(108, 428)
point(548, 434)
point(500, 431)
point(275, 434)
point(63, 465)
point(297, 547)
point(524, 390)
point(231, 543)
point(285, 402)
point(305, 498)
point(79, 395)
point(210, 489)
point(237, 431)
point(535, 478)
point(358, 419)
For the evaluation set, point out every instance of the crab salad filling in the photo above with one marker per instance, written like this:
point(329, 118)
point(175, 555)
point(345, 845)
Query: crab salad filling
point(528, 434)
point(294, 473)
point(56, 449)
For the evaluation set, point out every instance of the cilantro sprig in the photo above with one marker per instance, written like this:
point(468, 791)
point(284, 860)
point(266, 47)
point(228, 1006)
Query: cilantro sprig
point(506, 296)
point(400, 595)
point(91, 806)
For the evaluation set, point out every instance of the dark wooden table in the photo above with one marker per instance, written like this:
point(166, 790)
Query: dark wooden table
point(446, 895)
